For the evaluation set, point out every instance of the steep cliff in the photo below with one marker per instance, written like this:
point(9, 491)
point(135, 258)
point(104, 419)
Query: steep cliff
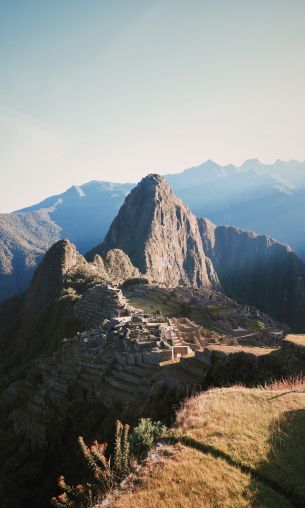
point(257, 270)
point(160, 235)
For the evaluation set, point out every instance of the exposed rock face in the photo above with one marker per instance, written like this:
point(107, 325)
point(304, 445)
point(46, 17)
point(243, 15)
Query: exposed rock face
point(160, 235)
point(257, 270)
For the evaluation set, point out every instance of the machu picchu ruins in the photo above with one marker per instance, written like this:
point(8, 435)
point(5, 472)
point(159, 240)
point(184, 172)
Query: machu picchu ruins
point(130, 354)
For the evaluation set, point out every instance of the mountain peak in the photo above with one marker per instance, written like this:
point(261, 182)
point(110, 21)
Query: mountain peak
point(160, 235)
point(48, 278)
point(153, 180)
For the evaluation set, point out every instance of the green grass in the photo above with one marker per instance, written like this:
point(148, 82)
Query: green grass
point(158, 301)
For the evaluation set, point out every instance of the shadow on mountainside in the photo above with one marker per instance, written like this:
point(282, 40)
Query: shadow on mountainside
point(284, 468)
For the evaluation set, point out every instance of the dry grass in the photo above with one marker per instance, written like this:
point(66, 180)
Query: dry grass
point(291, 383)
point(298, 339)
point(255, 457)
point(257, 351)
point(191, 479)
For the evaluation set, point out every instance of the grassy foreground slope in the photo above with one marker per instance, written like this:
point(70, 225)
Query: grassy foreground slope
point(232, 447)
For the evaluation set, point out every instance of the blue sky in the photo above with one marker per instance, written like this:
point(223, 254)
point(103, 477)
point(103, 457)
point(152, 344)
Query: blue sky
point(112, 90)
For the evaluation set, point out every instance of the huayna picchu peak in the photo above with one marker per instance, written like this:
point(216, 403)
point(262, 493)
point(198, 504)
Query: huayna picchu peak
point(160, 235)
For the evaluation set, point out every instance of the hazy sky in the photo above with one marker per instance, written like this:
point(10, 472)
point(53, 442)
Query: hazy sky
point(114, 89)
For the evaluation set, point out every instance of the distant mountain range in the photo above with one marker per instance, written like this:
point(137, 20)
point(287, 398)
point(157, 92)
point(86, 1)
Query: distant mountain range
point(266, 199)
point(81, 214)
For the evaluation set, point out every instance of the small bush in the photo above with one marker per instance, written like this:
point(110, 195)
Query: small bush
point(134, 281)
point(104, 473)
point(260, 325)
point(145, 435)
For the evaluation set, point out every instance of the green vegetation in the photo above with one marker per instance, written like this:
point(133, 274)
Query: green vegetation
point(134, 281)
point(160, 302)
point(145, 435)
point(260, 325)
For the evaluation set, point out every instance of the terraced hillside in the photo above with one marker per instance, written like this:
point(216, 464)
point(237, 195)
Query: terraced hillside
point(230, 447)
point(224, 318)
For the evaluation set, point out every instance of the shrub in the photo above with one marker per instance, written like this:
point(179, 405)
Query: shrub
point(103, 472)
point(260, 325)
point(73, 496)
point(121, 450)
point(134, 281)
point(145, 435)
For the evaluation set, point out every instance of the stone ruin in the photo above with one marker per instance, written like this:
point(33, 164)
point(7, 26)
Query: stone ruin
point(101, 302)
point(162, 337)
point(125, 355)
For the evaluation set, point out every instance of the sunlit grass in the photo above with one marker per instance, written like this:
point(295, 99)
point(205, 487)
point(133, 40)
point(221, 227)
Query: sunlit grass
point(253, 456)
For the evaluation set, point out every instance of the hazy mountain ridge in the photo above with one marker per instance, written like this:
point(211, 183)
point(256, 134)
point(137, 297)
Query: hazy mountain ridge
point(82, 214)
point(267, 199)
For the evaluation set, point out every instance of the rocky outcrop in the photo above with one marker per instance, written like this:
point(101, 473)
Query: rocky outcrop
point(257, 270)
point(48, 279)
point(116, 266)
point(160, 235)
point(63, 267)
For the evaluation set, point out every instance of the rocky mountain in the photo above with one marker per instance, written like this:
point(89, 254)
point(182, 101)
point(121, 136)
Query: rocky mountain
point(63, 268)
point(160, 235)
point(82, 214)
point(165, 241)
point(265, 198)
point(257, 270)
point(45, 314)
point(24, 238)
